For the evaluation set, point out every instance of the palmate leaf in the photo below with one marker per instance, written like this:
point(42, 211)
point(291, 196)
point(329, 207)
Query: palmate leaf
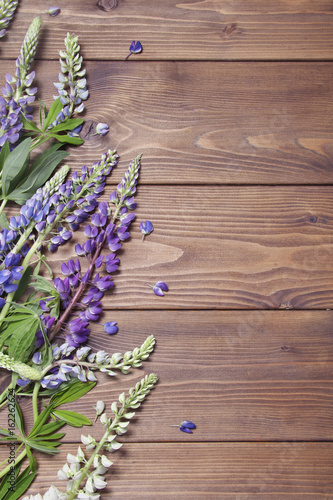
point(22, 339)
point(55, 108)
point(40, 421)
point(71, 393)
point(38, 174)
point(29, 125)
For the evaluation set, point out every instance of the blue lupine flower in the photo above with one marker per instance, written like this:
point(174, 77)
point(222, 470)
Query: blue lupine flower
point(135, 48)
point(187, 424)
point(159, 288)
point(111, 327)
point(146, 227)
point(102, 129)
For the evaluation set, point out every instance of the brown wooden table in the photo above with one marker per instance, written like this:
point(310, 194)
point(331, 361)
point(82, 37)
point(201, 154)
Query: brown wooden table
point(230, 103)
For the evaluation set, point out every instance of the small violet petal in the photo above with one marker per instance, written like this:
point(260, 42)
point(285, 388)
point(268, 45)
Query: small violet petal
point(54, 11)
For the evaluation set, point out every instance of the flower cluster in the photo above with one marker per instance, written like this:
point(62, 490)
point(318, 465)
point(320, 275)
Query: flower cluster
point(17, 92)
point(7, 11)
point(72, 86)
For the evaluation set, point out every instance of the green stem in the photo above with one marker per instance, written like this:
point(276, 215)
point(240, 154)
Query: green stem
point(17, 460)
point(3, 204)
point(86, 468)
point(6, 459)
point(35, 400)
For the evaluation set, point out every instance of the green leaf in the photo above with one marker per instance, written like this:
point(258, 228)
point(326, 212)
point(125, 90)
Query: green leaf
point(4, 154)
point(51, 437)
point(42, 107)
point(18, 418)
point(40, 171)
point(72, 393)
point(55, 108)
point(4, 432)
point(20, 322)
point(51, 427)
point(67, 125)
point(40, 421)
point(23, 339)
point(72, 418)
point(4, 482)
point(28, 125)
point(21, 485)
point(14, 167)
point(67, 139)
point(4, 223)
point(43, 285)
point(32, 461)
point(44, 446)
point(23, 284)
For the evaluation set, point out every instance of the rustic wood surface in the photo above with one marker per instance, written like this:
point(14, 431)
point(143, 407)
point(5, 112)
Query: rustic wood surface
point(186, 29)
point(207, 122)
point(228, 471)
point(230, 103)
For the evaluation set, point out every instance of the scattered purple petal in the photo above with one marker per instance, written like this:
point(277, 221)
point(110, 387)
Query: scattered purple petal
point(135, 48)
point(111, 327)
point(187, 424)
point(146, 227)
point(54, 11)
point(185, 429)
point(102, 129)
point(159, 288)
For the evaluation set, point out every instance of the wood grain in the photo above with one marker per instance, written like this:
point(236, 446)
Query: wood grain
point(241, 471)
point(189, 29)
point(226, 247)
point(208, 123)
point(240, 376)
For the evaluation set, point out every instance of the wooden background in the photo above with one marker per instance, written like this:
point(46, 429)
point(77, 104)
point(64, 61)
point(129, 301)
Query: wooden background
point(230, 103)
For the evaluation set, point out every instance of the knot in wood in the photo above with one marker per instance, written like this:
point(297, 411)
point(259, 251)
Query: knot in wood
point(107, 5)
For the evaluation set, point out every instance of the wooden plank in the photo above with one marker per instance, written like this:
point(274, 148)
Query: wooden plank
point(242, 123)
point(256, 29)
point(227, 248)
point(240, 376)
point(180, 471)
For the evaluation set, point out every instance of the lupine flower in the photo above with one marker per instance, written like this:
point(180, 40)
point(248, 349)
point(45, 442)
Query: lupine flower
point(72, 86)
point(102, 129)
point(7, 11)
point(146, 227)
point(185, 426)
point(54, 11)
point(135, 48)
point(111, 327)
point(17, 94)
point(159, 288)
